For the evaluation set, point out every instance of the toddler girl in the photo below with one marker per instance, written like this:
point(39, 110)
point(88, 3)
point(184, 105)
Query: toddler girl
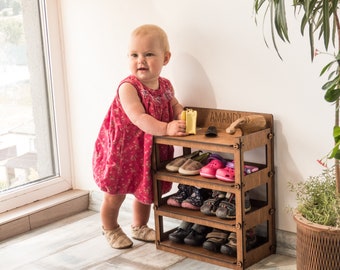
point(144, 106)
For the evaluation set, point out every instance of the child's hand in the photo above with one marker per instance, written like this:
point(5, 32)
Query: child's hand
point(176, 128)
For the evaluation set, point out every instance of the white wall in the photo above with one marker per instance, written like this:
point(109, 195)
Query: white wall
point(219, 60)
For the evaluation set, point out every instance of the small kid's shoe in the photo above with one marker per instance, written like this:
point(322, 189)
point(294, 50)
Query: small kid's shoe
point(227, 209)
point(230, 247)
point(215, 239)
point(210, 205)
point(175, 164)
point(181, 232)
point(226, 174)
point(193, 166)
point(184, 191)
point(196, 199)
point(143, 233)
point(117, 238)
point(197, 235)
point(251, 239)
point(215, 162)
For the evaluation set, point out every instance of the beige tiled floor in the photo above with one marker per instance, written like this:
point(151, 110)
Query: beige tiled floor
point(76, 243)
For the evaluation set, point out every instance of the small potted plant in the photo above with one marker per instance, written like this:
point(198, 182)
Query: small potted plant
point(317, 200)
point(317, 215)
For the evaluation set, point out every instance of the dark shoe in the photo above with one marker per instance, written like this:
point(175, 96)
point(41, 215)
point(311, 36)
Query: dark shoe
point(215, 239)
point(182, 231)
point(210, 206)
point(184, 191)
point(230, 247)
point(251, 239)
point(196, 199)
point(227, 208)
point(197, 235)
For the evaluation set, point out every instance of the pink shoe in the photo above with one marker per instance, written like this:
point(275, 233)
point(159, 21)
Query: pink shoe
point(248, 169)
point(215, 162)
point(226, 174)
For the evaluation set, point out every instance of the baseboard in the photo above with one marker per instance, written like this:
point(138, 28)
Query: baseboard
point(286, 243)
point(42, 212)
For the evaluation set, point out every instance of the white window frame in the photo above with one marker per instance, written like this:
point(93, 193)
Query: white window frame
point(54, 55)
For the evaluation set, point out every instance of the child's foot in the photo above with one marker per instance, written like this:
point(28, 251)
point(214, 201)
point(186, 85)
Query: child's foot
point(117, 238)
point(143, 233)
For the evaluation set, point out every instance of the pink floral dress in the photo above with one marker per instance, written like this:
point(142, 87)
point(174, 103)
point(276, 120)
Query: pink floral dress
point(122, 154)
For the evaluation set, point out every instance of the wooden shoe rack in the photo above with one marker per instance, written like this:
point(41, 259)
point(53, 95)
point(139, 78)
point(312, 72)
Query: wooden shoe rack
point(261, 183)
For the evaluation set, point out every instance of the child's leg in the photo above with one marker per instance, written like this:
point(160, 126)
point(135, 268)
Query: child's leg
point(140, 230)
point(141, 213)
point(110, 209)
point(109, 216)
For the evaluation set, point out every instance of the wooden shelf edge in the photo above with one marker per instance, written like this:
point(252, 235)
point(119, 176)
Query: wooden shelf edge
point(198, 253)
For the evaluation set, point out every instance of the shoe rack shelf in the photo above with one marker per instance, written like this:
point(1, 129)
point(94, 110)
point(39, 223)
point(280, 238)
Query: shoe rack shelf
point(237, 145)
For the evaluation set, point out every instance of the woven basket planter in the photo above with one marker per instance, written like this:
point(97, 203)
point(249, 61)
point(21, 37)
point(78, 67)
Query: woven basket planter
point(317, 246)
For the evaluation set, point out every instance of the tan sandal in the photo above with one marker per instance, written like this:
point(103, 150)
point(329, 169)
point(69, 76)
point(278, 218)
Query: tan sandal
point(117, 238)
point(143, 233)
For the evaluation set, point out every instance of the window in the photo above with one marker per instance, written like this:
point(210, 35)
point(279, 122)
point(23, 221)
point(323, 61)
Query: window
point(33, 151)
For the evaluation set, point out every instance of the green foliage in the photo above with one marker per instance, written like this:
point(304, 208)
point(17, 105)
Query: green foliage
point(319, 16)
point(321, 19)
point(278, 21)
point(317, 200)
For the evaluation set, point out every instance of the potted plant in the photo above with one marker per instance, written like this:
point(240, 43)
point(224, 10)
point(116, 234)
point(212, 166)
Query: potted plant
point(317, 200)
point(318, 243)
point(317, 216)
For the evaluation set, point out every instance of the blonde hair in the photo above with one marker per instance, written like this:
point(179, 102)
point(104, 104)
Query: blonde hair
point(155, 30)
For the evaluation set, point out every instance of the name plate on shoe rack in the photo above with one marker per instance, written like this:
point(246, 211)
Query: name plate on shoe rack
point(222, 119)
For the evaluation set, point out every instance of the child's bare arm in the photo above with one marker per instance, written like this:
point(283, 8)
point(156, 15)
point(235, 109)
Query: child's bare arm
point(135, 111)
point(177, 108)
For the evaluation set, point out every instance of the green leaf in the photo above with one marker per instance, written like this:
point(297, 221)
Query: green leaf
point(325, 27)
point(304, 22)
point(311, 38)
point(332, 95)
point(335, 151)
point(258, 4)
point(327, 67)
point(281, 26)
point(272, 19)
point(330, 85)
point(337, 154)
point(336, 132)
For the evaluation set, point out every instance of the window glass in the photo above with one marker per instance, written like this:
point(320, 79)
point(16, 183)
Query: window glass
point(27, 135)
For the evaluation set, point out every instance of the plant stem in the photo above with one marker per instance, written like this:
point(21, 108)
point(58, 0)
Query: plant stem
point(337, 162)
